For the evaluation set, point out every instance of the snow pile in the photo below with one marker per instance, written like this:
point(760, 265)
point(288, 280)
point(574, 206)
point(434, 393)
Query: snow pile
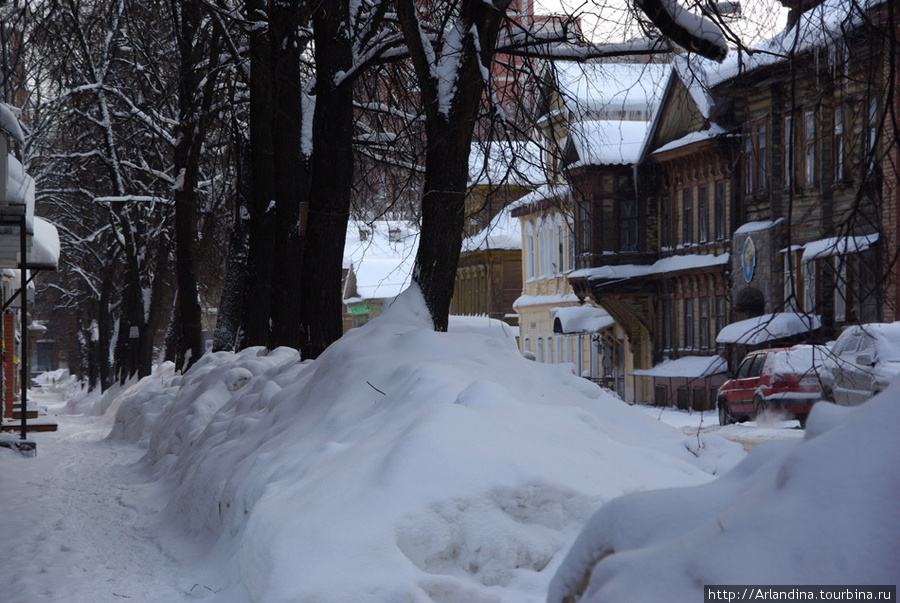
point(403, 464)
point(819, 511)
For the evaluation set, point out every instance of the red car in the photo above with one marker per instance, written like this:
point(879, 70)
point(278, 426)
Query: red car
point(784, 380)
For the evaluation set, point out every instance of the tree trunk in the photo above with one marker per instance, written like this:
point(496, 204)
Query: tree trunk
point(229, 316)
point(291, 178)
point(443, 212)
point(332, 175)
point(255, 310)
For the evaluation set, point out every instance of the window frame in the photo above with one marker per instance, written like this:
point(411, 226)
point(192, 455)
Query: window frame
point(809, 147)
point(687, 206)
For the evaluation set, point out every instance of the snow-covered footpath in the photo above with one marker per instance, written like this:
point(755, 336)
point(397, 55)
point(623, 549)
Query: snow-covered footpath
point(407, 465)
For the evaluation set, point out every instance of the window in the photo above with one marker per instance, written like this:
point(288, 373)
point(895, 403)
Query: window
point(838, 147)
point(704, 323)
point(721, 314)
point(668, 320)
point(541, 252)
point(720, 210)
point(687, 226)
point(744, 369)
point(570, 231)
point(748, 165)
point(559, 348)
point(809, 286)
point(790, 284)
point(540, 349)
point(703, 213)
point(840, 289)
point(665, 222)
point(551, 357)
point(756, 367)
point(872, 126)
point(549, 249)
point(788, 150)
point(689, 324)
point(809, 149)
point(529, 251)
point(560, 245)
point(584, 227)
point(629, 225)
point(761, 163)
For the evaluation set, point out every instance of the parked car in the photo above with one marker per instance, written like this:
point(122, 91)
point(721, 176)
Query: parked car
point(781, 379)
point(863, 360)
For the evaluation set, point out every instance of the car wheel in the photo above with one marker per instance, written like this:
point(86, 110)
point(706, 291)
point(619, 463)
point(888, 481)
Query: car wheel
point(725, 417)
point(760, 406)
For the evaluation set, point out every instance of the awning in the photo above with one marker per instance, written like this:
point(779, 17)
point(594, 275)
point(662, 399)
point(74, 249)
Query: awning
point(838, 246)
point(689, 367)
point(768, 327)
point(580, 319)
point(44, 253)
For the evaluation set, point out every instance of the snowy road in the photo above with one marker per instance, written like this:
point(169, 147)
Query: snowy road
point(73, 522)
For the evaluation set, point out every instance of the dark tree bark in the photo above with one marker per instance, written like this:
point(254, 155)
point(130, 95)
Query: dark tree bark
point(291, 178)
point(331, 179)
point(228, 319)
point(198, 64)
point(255, 309)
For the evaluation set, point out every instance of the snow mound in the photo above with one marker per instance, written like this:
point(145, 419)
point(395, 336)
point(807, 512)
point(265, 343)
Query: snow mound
point(822, 510)
point(401, 465)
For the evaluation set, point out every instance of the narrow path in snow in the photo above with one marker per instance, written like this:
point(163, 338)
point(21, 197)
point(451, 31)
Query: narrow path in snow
point(69, 528)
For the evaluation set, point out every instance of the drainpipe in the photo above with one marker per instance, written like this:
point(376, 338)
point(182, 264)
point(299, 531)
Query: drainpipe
point(23, 356)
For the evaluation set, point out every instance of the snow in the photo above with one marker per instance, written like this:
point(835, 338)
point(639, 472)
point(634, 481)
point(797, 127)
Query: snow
point(821, 510)
point(45, 245)
point(525, 301)
point(826, 24)
point(596, 90)
point(768, 327)
point(665, 265)
point(757, 226)
point(712, 132)
point(691, 367)
point(402, 464)
point(381, 262)
point(608, 142)
point(582, 319)
point(9, 123)
point(503, 232)
point(838, 246)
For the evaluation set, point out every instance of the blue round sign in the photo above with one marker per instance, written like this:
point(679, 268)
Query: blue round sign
point(748, 259)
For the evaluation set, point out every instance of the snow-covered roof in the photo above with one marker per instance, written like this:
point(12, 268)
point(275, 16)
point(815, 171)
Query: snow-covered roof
point(382, 259)
point(691, 69)
point(838, 246)
point(511, 163)
point(581, 319)
point(768, 327)
point(10, 124)
point(525, 301)
point(689, 367)
point(824, 25)
point(673, 263)
point(44, 246)
point(608, 142)
point(757, 226)
point(603, 89)
point(712, 132)
point(503, 232)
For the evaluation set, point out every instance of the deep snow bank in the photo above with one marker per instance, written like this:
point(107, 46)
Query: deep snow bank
point(819, 511)
point(402, 465)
